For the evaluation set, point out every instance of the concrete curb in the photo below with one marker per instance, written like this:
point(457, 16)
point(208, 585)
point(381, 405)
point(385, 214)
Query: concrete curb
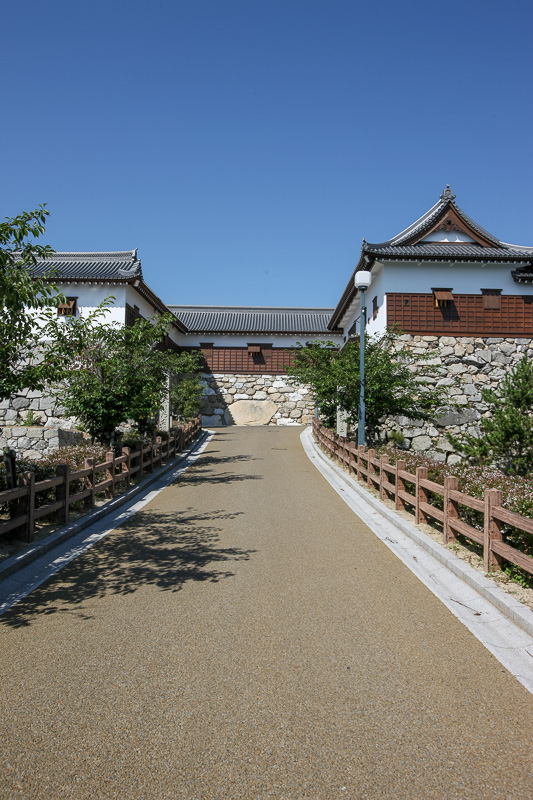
point(34, 551)
point(509, 607)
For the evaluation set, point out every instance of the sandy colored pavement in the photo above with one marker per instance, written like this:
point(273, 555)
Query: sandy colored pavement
point(245, 636)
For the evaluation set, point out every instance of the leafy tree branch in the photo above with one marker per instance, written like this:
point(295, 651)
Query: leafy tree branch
point(27, 359)
point(394, 385)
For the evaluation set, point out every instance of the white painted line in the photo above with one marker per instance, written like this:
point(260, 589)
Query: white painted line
point(17, 586)
point(510, 644)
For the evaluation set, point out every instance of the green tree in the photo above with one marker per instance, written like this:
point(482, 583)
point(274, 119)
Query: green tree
point(393, 384)
point(316, 365)
point(506, 437)
point(27, 359)
point(115, 373)
point(187, 391)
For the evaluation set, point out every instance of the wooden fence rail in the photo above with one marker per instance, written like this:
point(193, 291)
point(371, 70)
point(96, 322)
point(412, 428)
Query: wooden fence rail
point(415, 491)
point(115, 470)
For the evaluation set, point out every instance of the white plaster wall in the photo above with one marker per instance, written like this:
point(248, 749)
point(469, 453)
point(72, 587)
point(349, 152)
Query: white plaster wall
point(404, 276)
point(90, 297)
point(450, 236)
point(236, 340)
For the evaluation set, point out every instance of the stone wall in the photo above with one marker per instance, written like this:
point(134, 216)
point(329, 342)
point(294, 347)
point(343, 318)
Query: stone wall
point(464, 366)
point(254, 400)
point(35, 442)
point(44, 407)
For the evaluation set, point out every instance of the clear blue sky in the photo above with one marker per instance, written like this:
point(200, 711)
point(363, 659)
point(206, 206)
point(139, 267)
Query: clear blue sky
point(246, 147)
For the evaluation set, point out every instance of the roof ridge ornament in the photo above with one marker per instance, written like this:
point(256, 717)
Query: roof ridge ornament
point(447, 194)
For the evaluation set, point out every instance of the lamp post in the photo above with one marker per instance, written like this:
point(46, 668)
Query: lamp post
point(362, 281)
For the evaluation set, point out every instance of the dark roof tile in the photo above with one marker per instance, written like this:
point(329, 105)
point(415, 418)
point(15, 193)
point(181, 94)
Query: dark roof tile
point(91, 266)
point(253, 320)
point(452, 251)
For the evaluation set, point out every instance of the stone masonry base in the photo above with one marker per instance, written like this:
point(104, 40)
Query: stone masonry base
point(255, 400)
point(463, 366)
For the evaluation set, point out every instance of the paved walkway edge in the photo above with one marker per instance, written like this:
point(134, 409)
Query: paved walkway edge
point(36, 550)
point(515, 611)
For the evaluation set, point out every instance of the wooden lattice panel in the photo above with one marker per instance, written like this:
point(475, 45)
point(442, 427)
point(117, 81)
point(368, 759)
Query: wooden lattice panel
point(466, 315)
point(238, 360)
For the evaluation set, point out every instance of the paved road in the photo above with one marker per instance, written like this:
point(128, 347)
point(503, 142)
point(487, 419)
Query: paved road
point(245, 636)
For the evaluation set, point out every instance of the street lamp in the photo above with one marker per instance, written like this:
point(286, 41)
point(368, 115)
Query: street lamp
point(362, 280)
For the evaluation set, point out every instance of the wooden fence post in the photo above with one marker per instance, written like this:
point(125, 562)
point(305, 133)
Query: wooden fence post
point(110, 473)
point(10, 465)
point(382, 477)
point(27, 505)
point(90, 480)
point(360, 454)
point(492, 530)
point(151, 457)
point(352, 464)
point(371, 471)
point(126, 465)
point(63, 493)
point(159, 446)
point(421, 495)
point(451, 508)
point(399, 504)
point(10, 459)
point(139, 450)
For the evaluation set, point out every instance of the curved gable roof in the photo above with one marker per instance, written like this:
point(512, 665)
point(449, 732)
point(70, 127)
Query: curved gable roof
point(409, 245)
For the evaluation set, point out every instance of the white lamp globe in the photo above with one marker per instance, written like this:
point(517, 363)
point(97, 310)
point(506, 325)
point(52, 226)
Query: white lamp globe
point(362, 279)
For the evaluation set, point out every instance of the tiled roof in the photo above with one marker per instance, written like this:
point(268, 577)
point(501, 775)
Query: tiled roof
point(252, 320)
point(91, 266)
point(455, 252)
point(407, 245)
point(523, 274)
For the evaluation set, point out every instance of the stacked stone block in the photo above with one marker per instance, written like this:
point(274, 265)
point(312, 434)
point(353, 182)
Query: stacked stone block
point(255, 399)
point(463, 366)
point(35, 442)
point(44, 407)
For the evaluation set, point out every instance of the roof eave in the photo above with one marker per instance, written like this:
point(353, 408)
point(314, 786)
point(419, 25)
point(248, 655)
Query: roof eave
point(156, 302)
point(366, 261)
point(460, 259)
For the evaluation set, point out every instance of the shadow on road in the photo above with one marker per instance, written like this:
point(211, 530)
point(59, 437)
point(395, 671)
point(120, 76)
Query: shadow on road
point(207, 469)
point(152, 548)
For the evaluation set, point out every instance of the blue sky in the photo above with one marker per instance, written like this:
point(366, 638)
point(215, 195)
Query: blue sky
point(246, 147)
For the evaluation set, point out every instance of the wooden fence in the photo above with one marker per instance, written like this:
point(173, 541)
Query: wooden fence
point(391, 482)
point(143, 459)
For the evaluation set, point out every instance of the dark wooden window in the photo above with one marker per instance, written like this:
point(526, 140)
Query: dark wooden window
point(492, 299)
point(132, 315)
point(443, 298)
point(374, 307)
point(69, 308)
